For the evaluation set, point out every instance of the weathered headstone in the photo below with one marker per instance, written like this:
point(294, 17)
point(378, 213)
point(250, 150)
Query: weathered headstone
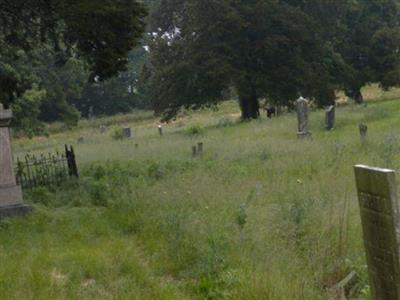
point(363, 132)
point(160, 130)
point(103, 129)
point(302, 118)
point(271, 111)
point(200, 148)
point(81, 140)
point(379, 210)
point(10, 193)
point(127, 132)
point(194, 151)
point(330, 117)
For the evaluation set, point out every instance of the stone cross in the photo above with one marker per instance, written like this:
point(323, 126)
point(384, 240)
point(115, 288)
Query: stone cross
point(363, 132)
point(10, 193)
point(302, 118)
point(330, 117)
point(379, 208)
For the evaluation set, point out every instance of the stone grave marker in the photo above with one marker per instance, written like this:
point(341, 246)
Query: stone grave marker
point(302, 118)
point(330, 117)
point(200, 148)
point(103, 129)
point(363, 132)
point(194, 151)
point(10, 193)
point(127, 132)
point(379, 208)
point(160, 130)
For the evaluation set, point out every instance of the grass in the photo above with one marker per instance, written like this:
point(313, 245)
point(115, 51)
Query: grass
point(260, 215)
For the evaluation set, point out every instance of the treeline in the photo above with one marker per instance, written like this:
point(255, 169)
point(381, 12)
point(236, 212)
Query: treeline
point(270, 49)
point(66, 59)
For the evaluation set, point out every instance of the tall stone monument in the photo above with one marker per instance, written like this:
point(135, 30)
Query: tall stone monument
point(330, 117)
point(302, 118)
point(379, 208)
point(10, 193)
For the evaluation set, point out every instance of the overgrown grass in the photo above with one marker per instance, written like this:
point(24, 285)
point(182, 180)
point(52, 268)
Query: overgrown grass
point(261, 215)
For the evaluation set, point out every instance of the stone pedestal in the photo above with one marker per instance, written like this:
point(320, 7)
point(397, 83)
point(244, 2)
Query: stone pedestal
point(10, 193)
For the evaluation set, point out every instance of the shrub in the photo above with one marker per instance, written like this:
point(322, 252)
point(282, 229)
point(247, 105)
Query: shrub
point(194, 129)
point(117, 133)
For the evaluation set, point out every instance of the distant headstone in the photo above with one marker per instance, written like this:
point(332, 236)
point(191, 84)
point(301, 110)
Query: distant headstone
point(200, 148)
point(127, 132)
point(302, 118)
point(81, 140)
point(363, 132)
point(160, 130)
point(103, 129)
point(330, 117)
point(194, 151)
point(271, 112)
point(10, 193)
point(379, 208)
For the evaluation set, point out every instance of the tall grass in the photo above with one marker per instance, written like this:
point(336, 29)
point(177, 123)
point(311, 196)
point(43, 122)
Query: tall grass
point(261, 215)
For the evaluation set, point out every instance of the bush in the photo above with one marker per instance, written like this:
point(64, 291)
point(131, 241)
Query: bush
point(117, 133)
point(194, 129)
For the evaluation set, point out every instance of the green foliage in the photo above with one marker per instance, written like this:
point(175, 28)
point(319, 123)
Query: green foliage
point(194, 129)
point(117, 133)
point(26, 110)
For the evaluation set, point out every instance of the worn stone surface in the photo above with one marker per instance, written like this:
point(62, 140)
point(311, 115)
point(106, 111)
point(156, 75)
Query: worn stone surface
point(103, 129)
point(363, 132)
point(14, 210)
point(302, 118)
point(379, 210)
point(10, 193)
point(330, 112)
point(127, 132)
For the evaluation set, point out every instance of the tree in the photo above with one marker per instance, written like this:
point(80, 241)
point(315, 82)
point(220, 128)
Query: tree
point(369, 44)
point(263, 48)
point(101, 32)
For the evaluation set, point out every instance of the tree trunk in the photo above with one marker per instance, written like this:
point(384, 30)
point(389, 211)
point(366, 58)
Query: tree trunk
point(249, 105)
point(356, 95)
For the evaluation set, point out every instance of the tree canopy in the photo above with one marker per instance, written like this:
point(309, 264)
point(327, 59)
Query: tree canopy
point(270, 49)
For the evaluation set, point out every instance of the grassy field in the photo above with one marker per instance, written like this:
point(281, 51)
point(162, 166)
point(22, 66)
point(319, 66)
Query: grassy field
point(260, 215)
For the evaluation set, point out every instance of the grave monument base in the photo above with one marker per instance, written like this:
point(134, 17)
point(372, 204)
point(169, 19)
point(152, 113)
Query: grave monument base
point(14, 210)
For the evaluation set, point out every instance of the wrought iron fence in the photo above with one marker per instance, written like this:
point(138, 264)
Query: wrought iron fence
point(46, 170)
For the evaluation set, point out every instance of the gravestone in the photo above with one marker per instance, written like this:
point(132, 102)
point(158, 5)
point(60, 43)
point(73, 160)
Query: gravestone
point(103, 129)
point(200, 148)
point(194, 151)
point(10, 193)
point(160, 130)
point(127, 132)
point(363, 132)
point(302, 118)
point(330, 117)
point(271, 112)
point(379, 210)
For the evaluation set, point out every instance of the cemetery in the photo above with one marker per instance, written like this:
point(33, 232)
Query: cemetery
point(200, 149)
point(257, 210)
